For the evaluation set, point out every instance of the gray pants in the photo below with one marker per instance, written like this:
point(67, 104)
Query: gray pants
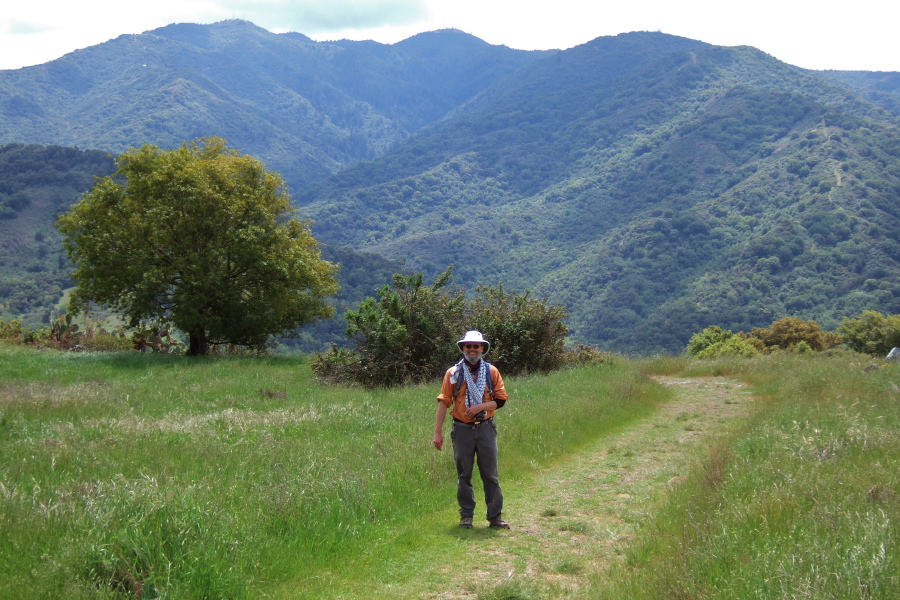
point(471, 442)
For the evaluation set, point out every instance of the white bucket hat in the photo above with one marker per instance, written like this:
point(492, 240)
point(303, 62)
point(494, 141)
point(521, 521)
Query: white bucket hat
point(474, 337)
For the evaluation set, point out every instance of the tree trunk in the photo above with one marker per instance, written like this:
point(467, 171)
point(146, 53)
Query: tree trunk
point(198, 343)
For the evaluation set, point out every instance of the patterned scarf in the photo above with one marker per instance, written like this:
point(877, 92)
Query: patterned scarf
point(474, 387)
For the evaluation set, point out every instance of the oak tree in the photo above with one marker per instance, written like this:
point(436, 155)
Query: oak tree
point(202, 236)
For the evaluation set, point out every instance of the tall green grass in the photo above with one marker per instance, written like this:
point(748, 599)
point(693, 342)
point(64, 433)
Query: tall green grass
point(801, 502)
point(126, 475)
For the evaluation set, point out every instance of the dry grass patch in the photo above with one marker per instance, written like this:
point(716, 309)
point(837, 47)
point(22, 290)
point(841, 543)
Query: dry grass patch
point(241, 420)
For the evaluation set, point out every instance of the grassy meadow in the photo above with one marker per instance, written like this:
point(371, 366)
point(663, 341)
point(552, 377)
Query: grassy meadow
point(801, 501)
point(142, 476)
point(136, 475)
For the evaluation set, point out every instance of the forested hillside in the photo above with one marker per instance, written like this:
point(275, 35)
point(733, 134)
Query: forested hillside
point(880, 87)
point(306, 108)
point(37, 183)
point(653, 184)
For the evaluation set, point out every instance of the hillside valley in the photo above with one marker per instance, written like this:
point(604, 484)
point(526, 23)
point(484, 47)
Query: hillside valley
point(696, 185)
point(652, 184)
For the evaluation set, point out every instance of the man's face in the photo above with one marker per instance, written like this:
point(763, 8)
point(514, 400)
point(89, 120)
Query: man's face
point(473, 352)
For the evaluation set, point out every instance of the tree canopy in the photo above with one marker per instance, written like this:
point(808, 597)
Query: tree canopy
point(203, 236)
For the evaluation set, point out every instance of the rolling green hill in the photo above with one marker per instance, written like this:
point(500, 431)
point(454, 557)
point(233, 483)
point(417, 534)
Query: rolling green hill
point(690, 185)
point(880, 87)
point(653, 184)
point(306, 108)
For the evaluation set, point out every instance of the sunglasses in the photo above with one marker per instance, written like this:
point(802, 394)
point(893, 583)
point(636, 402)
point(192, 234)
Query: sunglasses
point(473, 346)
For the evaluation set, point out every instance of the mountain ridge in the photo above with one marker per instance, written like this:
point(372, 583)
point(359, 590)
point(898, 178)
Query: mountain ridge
point(684, 138)
point(306, 108)
point(653, 184)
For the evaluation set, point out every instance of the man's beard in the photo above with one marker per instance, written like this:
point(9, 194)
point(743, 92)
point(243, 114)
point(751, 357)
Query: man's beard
point(473, 361)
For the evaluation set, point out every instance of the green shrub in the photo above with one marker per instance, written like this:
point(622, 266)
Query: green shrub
point(871, 332)
point(526, 334)
point(63, 334)
point(788, 332)
point(732, 346)
point(708, 337)
point(11, 331)
point(409, 333)
point(582, 354)
point(157, 336)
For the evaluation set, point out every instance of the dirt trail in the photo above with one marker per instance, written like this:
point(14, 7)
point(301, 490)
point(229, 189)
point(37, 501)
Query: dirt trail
point(578, 517)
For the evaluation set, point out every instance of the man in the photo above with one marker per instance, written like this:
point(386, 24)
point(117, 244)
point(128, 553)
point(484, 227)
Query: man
point(473, 390)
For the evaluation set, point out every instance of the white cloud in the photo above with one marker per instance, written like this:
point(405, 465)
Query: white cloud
point(14, 27)
point(58, 27)
point(315, 16)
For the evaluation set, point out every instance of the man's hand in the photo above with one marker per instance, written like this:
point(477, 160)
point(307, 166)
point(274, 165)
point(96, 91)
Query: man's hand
point(439, 425)
point(473, 410)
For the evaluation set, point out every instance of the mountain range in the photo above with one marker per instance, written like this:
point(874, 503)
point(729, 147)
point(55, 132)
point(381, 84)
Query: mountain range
point(307, 108)
point(652, 184)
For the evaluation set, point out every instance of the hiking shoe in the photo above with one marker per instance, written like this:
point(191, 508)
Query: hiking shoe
point(465, 522)
point(498, 523)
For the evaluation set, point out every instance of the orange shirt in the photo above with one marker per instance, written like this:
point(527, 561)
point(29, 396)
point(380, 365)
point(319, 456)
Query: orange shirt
point(457, 405)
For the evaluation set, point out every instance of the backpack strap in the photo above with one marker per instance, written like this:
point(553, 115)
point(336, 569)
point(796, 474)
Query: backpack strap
point(490, 379)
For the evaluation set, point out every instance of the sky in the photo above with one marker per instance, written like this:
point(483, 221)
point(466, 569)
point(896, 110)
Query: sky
point(859, 35)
